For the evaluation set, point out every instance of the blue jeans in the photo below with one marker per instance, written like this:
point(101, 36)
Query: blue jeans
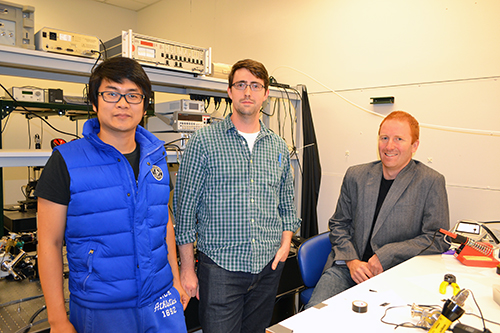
point(164, 315)
point(334, 280)
point(236, 301)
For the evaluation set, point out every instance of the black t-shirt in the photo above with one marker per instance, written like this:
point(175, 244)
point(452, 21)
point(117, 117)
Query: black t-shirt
point(54, 181)
point(385, 186)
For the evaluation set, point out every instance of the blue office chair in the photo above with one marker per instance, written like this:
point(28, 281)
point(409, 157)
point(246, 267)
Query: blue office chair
point(312, 257)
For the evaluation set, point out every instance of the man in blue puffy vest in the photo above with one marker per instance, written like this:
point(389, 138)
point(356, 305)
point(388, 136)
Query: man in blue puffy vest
point(106, 195)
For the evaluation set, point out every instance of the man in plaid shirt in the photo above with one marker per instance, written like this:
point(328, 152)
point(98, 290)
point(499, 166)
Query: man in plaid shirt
point(234, 197)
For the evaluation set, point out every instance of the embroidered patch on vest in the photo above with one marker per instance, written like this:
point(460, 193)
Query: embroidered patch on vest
point(157, 172)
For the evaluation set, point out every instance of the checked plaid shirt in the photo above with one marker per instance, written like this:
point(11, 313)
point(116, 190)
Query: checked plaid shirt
point(233, 202)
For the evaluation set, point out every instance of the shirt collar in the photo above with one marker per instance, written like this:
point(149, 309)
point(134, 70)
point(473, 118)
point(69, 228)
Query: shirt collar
point(229, 126)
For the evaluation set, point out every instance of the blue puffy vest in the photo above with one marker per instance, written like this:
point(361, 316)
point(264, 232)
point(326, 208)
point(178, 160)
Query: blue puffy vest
point(116, 227)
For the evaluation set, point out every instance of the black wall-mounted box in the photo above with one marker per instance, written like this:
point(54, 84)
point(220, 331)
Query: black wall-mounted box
point(382, 100)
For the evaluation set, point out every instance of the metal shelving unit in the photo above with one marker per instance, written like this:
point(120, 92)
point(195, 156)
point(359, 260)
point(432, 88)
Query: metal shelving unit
point(56, 67)
point(59, 67)
point(71, 111)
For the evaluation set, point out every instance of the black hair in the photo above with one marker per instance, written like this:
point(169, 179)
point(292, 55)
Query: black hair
point(117, 69)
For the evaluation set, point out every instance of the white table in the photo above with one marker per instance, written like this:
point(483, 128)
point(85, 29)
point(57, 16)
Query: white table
point(414, 281)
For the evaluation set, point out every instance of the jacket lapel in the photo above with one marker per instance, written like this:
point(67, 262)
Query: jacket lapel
point(400, 184)
point(372, 187)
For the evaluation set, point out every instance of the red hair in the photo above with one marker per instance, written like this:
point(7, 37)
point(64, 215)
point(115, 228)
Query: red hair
point(404, 117)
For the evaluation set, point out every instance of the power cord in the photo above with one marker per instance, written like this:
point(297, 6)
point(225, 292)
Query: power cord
point(274, 83)
point(432, 242)
point(228, 104)
point(406, 324)
point(36, 115)
point(411, 325)
point(32, 319)
point(105, 51)
point(217, 103)
point(486, 320)
point(274, 109)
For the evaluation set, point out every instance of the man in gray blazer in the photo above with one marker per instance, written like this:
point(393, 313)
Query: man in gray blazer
point(388, 211)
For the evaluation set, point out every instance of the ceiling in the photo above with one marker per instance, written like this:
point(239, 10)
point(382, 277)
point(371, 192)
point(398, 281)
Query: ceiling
point(130, 4)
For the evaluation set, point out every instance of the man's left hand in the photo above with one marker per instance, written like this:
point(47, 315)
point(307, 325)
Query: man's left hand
point(281, 255)
point(374, 265)
point(284, 250)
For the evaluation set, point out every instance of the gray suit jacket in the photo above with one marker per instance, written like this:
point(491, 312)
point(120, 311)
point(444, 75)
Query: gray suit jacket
point(414, 208)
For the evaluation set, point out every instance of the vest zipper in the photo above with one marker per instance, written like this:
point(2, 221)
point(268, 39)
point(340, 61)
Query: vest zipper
point(89, 266)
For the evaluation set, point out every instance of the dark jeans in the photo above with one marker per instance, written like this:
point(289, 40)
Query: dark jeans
point(236, 301)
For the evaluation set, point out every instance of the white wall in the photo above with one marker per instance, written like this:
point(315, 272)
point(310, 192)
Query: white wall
point(80, 16)
point(355, 45)
point(365, 45)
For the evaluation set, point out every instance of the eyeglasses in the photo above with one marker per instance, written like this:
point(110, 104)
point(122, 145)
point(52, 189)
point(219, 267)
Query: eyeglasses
point(114, 97)
point(242, 85)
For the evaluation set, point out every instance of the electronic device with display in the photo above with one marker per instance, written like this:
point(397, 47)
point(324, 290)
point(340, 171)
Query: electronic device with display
point(185, 121)
point(28, 94)
point(161, 53)
point(180, 105)
point(470, 229)
point(65, 42)
point(473, 230)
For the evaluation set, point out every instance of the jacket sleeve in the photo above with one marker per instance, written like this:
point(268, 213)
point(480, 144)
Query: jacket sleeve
point(341, 223)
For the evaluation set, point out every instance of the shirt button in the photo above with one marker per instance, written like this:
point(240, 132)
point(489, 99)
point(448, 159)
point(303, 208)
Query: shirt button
point(251, 180)
point(251, 200)
point(252, 220)
point(251, 161)
point(128, 194)
point(253, 240)
point(149, 163)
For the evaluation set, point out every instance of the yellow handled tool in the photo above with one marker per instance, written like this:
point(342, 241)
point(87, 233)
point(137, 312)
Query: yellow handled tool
point(449, 279)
